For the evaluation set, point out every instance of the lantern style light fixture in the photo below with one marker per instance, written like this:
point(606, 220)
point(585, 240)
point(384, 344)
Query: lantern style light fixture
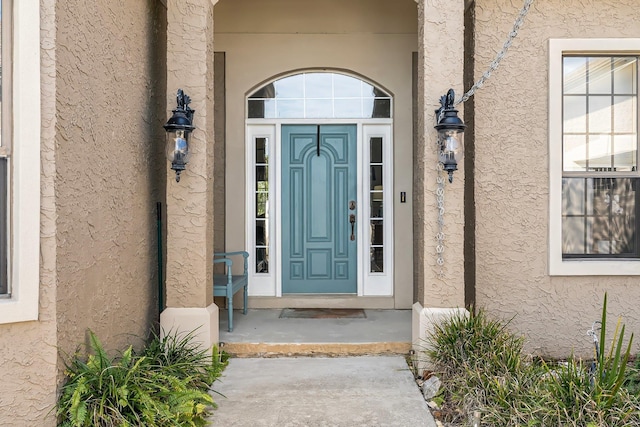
point(450, 128)
point(178, 128)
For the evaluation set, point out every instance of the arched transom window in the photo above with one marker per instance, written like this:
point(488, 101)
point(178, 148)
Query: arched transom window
point(319, 95)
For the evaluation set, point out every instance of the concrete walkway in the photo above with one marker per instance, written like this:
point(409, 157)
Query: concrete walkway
point(343, 391)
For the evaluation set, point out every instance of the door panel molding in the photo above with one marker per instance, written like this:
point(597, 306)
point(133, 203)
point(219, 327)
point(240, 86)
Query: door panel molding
point(329, 178)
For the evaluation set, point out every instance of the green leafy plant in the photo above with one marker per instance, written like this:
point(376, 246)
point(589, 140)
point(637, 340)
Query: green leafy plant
point(155, 388)
point(484, 370)
point(610, 366)
point(593, 392)
point(632, 382)
point(180, 356)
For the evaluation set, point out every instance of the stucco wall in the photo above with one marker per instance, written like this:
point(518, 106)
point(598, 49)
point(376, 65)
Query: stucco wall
point(190, 204)
point(28, 350)
point(512, 177)
point(376, 39)
point(110, 166)
point(440, 66)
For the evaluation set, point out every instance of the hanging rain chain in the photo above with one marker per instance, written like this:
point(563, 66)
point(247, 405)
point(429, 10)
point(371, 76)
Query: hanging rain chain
point(440, 236)
point(440, 180)
point(505, 47)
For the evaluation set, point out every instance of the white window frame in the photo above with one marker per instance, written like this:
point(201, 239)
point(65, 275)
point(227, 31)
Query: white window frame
point(557, 265)
point(24, 166)
point(378, 284)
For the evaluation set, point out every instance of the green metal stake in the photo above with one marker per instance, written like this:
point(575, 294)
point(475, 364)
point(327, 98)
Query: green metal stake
point(160, 285)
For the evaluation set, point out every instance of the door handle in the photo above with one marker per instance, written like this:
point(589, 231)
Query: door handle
point(352, 220)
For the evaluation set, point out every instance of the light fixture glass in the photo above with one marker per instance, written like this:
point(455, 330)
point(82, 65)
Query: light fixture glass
point(450, 128)
point(178, 128)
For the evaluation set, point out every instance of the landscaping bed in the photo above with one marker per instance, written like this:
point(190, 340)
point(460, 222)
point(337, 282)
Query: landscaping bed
point(487, 380)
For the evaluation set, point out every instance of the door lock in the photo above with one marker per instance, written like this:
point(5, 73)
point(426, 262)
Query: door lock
point(352, 205)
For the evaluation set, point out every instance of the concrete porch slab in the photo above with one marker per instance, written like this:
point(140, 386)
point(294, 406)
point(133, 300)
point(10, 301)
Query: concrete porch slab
point(262, 333)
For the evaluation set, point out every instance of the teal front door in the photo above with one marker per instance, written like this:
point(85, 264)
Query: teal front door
point(319, 209)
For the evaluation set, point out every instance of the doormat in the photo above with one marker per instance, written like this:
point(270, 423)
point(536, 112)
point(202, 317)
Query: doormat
point(323, 313)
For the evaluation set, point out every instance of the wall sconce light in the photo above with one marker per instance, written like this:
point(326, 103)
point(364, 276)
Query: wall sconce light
point(450, 128)
point(178, 128)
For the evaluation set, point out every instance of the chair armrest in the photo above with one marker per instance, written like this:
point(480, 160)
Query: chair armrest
point(226, 254)
point(244, 254)
point(223, 260)
point(228, 263)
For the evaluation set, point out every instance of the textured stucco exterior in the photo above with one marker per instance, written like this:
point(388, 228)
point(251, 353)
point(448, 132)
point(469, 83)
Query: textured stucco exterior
point(512, 177)
point(190, 202)
point(440, 67)
point(109, 156)
point(102, 107)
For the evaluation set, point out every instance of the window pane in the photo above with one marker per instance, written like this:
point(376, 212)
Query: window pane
point(607, 226)
point(262, 178)
point(262, 260)
point(262, 147)
point(377, 260)
point(290, 87)
point(290, 109)
point(319, 108)
point(268, 91)
point(381, 108)
point(261, 109)
point(346, 86)
point(624, 114)
point(377, 233)
point(573, 236)
point(600, 75)
point(376, 150)
point(599, 158)
point(318, 85)
point(377, 205)
point(4, 285)
point(625, 154)
point(575, 75)
point(599, 114)
point(575, 153)
point(376, 177)
point(575, 114)
point(262, 200)
point(4, 242)
point(1, 84)
point(348, 108)
point(624, 75)
point(261, 234)
point(573, 196)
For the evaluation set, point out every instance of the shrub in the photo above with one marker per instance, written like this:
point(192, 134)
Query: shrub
point(632, 383)
point(483, 369)
point(156, 388)
point(592, 393)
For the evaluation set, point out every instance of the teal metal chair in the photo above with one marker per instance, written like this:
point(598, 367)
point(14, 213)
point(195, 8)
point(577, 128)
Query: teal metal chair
point(226, 285)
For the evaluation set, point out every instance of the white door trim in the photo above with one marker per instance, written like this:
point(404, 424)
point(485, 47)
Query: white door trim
point(270, 284)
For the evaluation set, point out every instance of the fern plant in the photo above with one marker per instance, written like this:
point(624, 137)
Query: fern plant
point(136, 390)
